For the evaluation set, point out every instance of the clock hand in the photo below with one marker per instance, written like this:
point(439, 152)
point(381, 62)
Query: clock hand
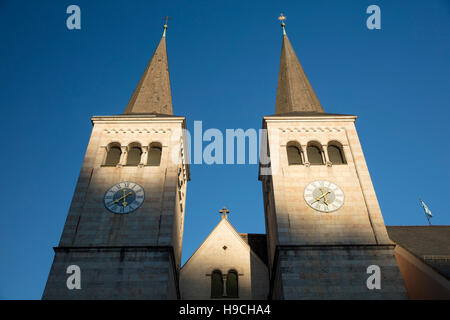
point(124, 203)
point(323, 195)
point(118, 199)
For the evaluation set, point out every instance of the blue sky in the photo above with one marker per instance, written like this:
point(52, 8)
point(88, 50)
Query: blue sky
point(224, 59)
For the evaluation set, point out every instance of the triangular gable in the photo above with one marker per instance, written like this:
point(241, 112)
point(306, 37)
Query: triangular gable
point(229, 227)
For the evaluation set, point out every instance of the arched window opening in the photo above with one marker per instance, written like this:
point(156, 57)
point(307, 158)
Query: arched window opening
point(154, 155)
point(294, 155)
point(335, 155)
point(314, 155)
point(216, 284)
point(134, 156)
point(232, 284)
point(113, 156)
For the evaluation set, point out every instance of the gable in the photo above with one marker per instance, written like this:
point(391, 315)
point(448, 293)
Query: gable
point(225, 250)
point(223, 241)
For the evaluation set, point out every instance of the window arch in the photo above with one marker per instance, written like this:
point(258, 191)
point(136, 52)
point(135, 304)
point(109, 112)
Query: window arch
point(314, 154)
point(113, 153)
point(134, 154)
point(336, 153)
point(293, 154)
point(154, 154)
point(232, 284)
point(216, 284)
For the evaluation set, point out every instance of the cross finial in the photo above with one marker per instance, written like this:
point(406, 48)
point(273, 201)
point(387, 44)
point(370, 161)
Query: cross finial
point(224, 211)
point(165, 25)
point(282, 17)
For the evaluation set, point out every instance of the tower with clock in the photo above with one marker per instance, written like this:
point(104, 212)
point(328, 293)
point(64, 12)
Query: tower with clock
point(323, 221)
point(325, 233)
point(124, 228)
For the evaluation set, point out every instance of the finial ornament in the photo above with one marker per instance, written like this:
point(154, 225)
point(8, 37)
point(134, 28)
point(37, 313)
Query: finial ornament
point(224, 211)
point(282, 17)
point(165, 25)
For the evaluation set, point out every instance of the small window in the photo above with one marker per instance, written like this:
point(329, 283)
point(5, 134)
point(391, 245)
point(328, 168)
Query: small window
point(294, 155)
point(216, 284)
point(134, 156)
point(335, 155)
point(314, 155)
point(113, 156)
point(154, 155)
point(232, 284)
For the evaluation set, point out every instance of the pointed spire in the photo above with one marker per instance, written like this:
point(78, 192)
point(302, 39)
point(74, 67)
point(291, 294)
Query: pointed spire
point(294, 91)
point(153, 94)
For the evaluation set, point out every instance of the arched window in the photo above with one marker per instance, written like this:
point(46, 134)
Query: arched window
point(335, 154)
point(293, 154)
point(113, 155)
point(134, 156)
point(314, 155)
point(154, 155)
point(216, 284)
point(232, 284)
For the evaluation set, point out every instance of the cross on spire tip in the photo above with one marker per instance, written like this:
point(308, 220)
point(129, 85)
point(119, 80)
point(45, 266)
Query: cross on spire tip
point(167, 18)
point(282, 17)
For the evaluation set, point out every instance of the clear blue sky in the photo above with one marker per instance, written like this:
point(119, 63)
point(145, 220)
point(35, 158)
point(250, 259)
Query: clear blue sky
point(224, 59)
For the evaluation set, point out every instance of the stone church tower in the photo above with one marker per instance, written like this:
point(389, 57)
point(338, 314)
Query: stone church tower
point(323, 221)
point(124, 228)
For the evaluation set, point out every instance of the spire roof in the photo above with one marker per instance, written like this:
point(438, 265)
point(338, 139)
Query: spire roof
point(294, 92)
point(153, 94)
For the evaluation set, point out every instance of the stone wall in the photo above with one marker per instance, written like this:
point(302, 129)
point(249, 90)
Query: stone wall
point(113, 273)
point(338, 272)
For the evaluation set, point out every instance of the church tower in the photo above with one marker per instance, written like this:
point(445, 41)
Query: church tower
point(325, 232)
point(124, 230)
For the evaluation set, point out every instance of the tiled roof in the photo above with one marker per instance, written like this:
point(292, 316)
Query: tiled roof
point(431, 244)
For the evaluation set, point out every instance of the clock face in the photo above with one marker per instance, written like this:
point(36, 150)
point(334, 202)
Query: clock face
point(124, 197)
point(324, 196)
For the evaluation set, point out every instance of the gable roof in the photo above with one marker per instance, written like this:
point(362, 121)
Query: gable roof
point(431, 244)
point(254, 241)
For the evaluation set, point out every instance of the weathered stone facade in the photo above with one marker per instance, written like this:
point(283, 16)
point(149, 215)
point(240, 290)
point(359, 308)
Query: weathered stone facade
point(297, 233)
point(115, 273)
point(150, 239)
point(336, 272)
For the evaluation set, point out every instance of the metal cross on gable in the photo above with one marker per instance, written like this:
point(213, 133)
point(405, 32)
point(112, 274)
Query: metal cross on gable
point(224, 211)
